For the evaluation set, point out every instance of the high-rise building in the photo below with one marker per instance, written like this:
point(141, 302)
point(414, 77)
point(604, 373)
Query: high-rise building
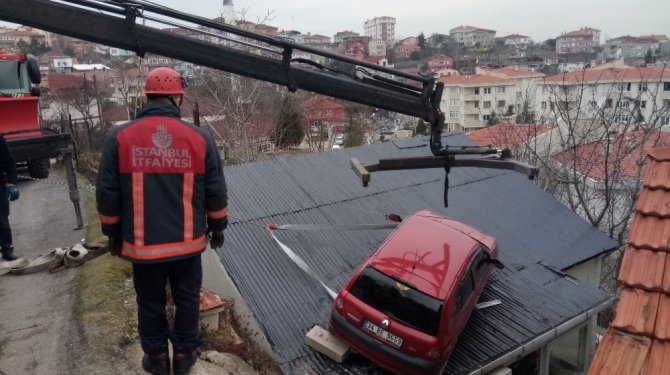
point(381, 28)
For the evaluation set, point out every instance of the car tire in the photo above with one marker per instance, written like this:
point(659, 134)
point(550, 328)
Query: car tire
point(38, 168)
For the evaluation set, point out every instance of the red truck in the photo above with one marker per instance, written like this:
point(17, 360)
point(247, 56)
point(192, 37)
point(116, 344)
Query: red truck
point(19, 120)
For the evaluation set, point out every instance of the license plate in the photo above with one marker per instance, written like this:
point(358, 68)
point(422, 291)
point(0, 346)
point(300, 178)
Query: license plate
point(384, 334)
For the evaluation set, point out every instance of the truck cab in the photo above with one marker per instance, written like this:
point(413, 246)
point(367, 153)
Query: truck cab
point(20, 126)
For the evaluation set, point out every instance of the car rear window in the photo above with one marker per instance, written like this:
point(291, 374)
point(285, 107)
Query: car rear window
point(398, 300)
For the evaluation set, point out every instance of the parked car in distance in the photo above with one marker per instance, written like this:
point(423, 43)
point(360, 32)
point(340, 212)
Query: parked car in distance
point(337, 147)
point(339, 139)
point(404, 307)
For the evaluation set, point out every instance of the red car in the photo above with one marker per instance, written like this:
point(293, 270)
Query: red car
point(405, 306)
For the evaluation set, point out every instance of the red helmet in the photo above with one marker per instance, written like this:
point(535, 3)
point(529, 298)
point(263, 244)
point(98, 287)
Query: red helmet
point(164, 81)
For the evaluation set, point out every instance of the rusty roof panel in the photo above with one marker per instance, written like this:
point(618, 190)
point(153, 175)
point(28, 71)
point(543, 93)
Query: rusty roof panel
point(657, 175)
point(662, 330)
point(636, 311)
point(643, 268)
point(654, 203)
point(650, 233)
point(620, 354)
point(659, 359)
point(660, 154)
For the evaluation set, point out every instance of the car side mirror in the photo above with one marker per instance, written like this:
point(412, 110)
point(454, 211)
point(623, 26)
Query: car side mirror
point(497, 264)
point(35, 91)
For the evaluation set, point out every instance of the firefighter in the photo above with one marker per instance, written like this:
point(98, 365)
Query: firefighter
point(161, 195)
point(8, 192)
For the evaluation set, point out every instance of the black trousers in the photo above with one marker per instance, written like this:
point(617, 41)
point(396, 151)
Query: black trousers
point(185, 276)
point(5, 229)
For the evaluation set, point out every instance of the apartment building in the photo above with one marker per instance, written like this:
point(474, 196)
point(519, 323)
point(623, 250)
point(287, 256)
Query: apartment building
point(377, 47)
point(584, 40)
point(626, 96)
point(471, 36)
point(516, 40)
point(339, 37)
point(629, 47)
point(403, 50)
point(381, 28)
point(470, 101)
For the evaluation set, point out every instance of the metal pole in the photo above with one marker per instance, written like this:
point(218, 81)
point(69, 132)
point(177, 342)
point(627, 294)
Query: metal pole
point(72, 185)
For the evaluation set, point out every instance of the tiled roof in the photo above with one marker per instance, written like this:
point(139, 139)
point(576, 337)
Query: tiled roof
point(514, 36)
point(474, 80)
point(115, 114)
point(638, 340)
point(64, 81)
point(581, 32)
point(509, 72)
point(610, 75)
point(374, 59)
point(657, 37)
point(626, 152)
point(507, 135)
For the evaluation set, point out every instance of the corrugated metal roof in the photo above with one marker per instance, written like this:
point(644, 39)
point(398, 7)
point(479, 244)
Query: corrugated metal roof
point(536, 235)
point(643, 312)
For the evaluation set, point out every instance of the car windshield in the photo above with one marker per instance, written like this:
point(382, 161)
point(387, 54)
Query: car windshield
point(13, 78)
point(399, 300)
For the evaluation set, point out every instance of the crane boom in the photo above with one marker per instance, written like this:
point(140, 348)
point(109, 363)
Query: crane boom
point(113, 23)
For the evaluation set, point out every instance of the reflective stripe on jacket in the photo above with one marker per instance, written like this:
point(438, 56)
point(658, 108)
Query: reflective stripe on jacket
point(160, 186)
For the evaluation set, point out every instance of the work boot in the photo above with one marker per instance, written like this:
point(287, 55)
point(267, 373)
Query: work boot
point(157, 363)
point(8, 254)
point(183, 360)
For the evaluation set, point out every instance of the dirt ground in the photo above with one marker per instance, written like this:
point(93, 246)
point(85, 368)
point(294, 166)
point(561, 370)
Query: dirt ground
point(53, 323)
point(39, 332)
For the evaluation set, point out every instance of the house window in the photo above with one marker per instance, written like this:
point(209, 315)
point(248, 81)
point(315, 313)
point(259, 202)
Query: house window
point(608, 103)
point(544, 105)
point(622, 104)
point(476, 90)
point(642, 87)
point(643, 104)
point(487, 90)
point(454, 102)
point(476, 103)
point(666, 103)
point(500, 90)
point(486, 117)
point(623, 87)
point(501, 103)
point(666, 86)
point(567, 353)
point(665, 120)
point(518, 95)
point(487, 104)
point(464, 291)
point(453, 114)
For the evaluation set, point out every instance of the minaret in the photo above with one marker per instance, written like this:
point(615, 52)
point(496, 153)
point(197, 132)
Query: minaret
point(228, 12)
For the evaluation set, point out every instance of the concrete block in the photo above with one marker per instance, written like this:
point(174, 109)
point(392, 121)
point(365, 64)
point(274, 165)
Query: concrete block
point(209, 320)
point(325, 343)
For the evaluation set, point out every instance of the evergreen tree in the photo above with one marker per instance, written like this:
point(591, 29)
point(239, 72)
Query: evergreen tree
point(421, 128)
point(289, 127)
point(35, 47)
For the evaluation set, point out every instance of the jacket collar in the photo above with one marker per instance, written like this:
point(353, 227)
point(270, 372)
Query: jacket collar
point(160, 107)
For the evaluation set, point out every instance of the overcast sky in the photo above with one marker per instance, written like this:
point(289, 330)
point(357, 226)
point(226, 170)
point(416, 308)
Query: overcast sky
point(539, 19)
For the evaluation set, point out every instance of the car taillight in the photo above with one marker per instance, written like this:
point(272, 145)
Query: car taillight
point(433, 353)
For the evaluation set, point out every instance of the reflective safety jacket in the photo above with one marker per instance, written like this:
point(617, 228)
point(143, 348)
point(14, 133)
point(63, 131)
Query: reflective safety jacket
point(160, 186)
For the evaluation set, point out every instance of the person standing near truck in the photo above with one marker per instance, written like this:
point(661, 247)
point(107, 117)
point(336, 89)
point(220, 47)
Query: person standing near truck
point(9, 191)
point(161, 194)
